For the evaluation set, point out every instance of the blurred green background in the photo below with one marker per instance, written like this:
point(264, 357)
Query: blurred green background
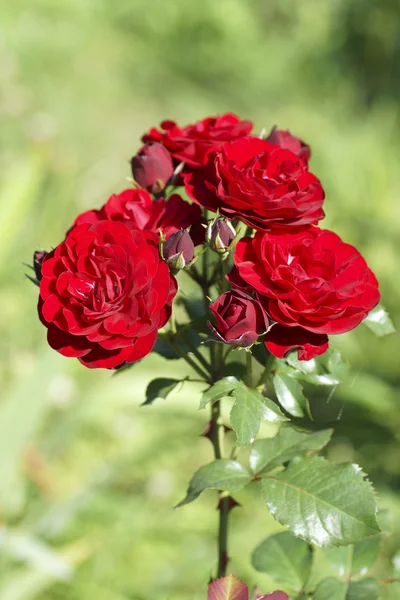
point(87, 479)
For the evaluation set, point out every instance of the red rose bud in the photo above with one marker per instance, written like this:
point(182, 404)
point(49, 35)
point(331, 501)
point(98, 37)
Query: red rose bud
point(152, 167)
point(220, 235)
point(240, 319)
point(286, 140)
point(178, 250)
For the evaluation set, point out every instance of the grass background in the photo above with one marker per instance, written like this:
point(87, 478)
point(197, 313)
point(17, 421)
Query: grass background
point(87, 479)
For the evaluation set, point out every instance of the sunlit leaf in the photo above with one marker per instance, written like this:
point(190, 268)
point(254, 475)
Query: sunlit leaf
point(334, 589)
point(354, 560)
point(336, 365)
point(326, 504)
point(271, 452)
point(379, 321)
point(227, 588)
point(290, 395)
point(224, 474)
point(249, 408)
point(285, 559)
point(223, 387)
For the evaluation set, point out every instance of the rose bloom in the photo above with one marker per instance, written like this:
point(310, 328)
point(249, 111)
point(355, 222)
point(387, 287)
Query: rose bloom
point(190, 144)
point(287, 140)
point(137, 206)
point(313, 285)
point(240, 319)
point(104, 294)
point(265, 186)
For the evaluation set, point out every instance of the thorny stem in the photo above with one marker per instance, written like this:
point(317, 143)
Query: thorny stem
point(223, 536)
point(217, 361)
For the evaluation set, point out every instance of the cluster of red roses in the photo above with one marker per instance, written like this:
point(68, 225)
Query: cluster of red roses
point(106, 290)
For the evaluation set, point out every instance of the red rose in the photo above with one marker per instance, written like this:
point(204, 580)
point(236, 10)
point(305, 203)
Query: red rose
point(263, 185)
point(285, 139)
point(152, 167)
point(240, 318)
point(138, 207)
point(313, 285)
point(190, 144)
point(104, 294)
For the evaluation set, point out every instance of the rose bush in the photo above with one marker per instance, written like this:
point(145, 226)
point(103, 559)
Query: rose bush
point(191, 143)
point(137, 207)
point(314, 285)
point(104, 294)
point(108, 288)
point(265, 186)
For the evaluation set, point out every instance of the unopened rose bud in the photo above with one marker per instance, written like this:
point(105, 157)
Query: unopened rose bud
point(286, 140)
point(220, 235)
point(240, 319)
point(178, 250)
point(152, 167)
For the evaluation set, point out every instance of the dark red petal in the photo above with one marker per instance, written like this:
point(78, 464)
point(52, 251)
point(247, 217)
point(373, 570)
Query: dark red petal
point(280, 340)
point(67, 344)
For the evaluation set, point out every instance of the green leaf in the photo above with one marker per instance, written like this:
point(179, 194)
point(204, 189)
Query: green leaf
point(249, 408)
point(269, 453)
point(354, 560)
point(334, 589)
point(223, 387)
point(285, 559)
point(379, 321)
point(290, 395)
point(160, 388)
point(224, 474)
point(228, 588)
point(336, 365)
point(304, 366)
point(326, 504)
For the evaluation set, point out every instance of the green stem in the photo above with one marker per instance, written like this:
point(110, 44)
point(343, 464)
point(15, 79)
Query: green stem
point(267, 370)
point(217, 361)
point(249, 369)
point(223, 536)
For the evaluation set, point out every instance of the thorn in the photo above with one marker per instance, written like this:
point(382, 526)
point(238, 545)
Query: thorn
point(231, 505)
point(210, 430)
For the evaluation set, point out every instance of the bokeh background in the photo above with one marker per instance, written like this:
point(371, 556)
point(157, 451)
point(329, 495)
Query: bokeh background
point(87, 479)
